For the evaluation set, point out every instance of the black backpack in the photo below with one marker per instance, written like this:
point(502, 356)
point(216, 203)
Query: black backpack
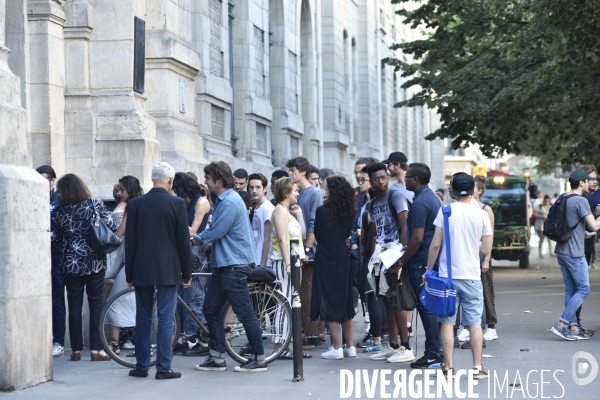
point(555, 226)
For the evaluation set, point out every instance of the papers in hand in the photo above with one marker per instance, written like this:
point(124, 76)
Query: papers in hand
point(390, 256)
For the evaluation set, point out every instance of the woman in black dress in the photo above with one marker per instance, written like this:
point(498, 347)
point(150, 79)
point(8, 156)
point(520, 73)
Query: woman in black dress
point(332, 274)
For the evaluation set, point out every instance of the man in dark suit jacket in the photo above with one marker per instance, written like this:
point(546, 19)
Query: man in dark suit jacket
point(157, 254)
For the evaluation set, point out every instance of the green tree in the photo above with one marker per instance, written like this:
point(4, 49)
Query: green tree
point(516, 76)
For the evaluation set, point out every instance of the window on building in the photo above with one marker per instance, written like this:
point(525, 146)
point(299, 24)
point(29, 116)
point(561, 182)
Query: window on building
point(382, 18)
point(215, 14)
point(259, 61)
point(294, 147)
point(217, 117)
point(293, 88)
point(261, 137)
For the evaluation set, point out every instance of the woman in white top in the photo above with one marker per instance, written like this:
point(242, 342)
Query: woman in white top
point(283, 221)
point(540, 214)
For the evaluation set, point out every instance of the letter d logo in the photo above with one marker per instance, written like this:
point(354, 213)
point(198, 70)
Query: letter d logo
point(583, 367)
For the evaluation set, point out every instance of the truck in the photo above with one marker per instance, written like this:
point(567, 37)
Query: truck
point(509, 199)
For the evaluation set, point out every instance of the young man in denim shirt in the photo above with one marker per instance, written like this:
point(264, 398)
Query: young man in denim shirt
point(232, 255)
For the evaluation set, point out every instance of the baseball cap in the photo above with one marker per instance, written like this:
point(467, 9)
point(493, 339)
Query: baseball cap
point(580, 175)
point(463, 185)
point(396, 156)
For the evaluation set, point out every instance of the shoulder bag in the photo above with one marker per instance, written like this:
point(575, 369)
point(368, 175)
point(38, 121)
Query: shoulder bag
point(103, 239)
point(439, 294)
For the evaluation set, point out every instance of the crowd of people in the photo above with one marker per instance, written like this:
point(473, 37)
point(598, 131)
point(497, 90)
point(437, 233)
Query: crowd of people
point(230, 226)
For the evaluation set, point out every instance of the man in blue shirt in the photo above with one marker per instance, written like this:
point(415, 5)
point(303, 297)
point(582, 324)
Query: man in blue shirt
point(232, 255)
point(420, 225)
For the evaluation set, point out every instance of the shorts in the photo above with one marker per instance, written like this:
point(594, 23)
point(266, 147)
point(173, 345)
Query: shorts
point(469, 295)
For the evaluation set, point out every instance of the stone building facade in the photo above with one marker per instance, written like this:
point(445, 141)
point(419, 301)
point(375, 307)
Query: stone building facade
point(251, 82)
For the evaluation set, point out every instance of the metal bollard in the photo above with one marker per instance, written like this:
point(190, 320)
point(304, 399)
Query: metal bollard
point(296, 263)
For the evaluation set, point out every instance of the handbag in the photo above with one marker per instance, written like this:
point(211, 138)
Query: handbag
point(103, 239)
point(439, 294)
point(114, 262)
point(408, 297)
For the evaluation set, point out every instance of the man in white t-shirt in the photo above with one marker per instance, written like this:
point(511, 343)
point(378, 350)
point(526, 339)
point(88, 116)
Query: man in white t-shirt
point(470, 236)
point(261, 222)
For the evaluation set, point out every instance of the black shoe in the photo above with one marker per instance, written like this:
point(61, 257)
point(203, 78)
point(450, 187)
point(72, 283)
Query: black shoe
point(252, 365)
point(138, 373)
point(427, 362)
point(168, 375)
point(210, 364)
point(181, 347)
point(467, 345)
point(365, 342)
point(197, 350)
point(456, 342)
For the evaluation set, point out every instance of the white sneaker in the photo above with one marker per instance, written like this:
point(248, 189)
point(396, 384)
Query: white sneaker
point(402, 355)
point(333, 354)
point(128, 345)
point(368, 327)
point(350, 352)
point(463, 336)
point(367, 318)
point(490, 334)
point(384, 354)
point(57, 350)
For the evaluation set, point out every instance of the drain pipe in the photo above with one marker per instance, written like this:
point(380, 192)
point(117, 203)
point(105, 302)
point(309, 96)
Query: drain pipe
point(379, 75)
point(318, 30)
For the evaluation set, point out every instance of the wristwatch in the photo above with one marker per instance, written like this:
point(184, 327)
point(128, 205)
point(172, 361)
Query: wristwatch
point(307, 249)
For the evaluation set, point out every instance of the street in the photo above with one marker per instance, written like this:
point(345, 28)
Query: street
point(528, 302)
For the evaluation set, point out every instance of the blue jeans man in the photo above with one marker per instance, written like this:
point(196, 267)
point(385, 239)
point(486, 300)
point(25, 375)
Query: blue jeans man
point(231, 283)
point(577, 285)
point(166, 297)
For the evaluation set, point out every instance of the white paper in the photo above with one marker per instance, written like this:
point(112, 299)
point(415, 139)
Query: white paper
point(389, 257)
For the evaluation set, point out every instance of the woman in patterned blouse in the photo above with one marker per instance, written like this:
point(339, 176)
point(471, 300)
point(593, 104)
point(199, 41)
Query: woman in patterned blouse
point(81, 266)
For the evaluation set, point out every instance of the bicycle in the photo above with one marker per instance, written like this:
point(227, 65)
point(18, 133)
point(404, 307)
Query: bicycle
point(270, 305)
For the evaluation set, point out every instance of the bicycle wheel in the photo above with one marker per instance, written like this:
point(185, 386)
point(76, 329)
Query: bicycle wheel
point(117, 329)
point(274, 316)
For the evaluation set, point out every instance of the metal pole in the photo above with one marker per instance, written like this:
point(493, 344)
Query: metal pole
point(295, 263)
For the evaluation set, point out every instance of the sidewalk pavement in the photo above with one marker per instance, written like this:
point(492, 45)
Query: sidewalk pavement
point(528, 303)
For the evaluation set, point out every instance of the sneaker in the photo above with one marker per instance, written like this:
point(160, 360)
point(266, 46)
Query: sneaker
point(456, 342)
point(367, 318)
point(384, 354)
point(128, 345)
point(210, 364)
point(350, 352)
point(490, 334)
point(463, 336)
point(427, 362)
point(58, 350)
point(402, 355)
point(563, 331)
point(373, 348)
point(588, 332)
point(365, 342)
point(448, 372)
point(252, 365)
point(480, 373)
point(198, 350)
point(168, 375)
point(333, 354)
point(368, 327)
point(581, 334)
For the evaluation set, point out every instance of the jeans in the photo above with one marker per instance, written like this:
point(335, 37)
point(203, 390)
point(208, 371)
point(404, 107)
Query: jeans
point(58, 303)
point(94, 287)
point(433, 344)
point(166, 298)
point(231, 284)
point(194, 298)
point(376, 314)
point(577, 285)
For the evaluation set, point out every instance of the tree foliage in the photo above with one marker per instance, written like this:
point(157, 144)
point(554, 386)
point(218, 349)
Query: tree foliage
point(516, 76)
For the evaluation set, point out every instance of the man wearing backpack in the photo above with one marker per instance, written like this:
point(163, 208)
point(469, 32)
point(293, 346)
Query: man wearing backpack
point(570, 232)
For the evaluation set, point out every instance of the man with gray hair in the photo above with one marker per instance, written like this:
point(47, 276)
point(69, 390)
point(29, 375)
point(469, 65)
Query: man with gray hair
point(157, 254)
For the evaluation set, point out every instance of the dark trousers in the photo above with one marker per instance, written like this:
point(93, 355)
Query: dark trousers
point(94, 287)
point(376, 314)
point(58, 302)
point(433, 344)
point(166, 298)
point(230, 284)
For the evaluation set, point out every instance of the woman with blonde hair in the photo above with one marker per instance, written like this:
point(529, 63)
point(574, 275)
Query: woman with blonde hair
point(286, 194)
